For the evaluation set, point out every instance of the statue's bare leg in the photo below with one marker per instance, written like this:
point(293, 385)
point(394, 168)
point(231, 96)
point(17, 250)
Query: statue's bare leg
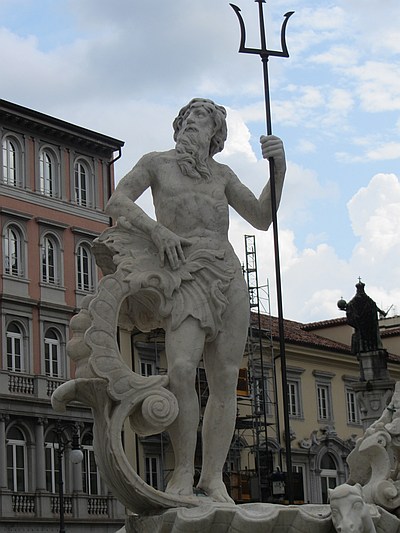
point(222, 360)
point(184, 347)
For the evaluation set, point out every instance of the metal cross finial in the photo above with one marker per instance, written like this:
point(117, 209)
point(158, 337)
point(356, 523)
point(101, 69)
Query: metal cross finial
point(264, 53)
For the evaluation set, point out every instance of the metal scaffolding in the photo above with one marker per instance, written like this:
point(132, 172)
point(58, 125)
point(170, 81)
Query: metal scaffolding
point(260, 405)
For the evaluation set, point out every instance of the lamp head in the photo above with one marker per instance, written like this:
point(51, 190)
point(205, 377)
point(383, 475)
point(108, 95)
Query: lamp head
point(76, 456)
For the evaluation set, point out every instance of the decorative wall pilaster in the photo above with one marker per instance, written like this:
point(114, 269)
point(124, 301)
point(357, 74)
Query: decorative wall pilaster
point(3, 452)
point(40, 455)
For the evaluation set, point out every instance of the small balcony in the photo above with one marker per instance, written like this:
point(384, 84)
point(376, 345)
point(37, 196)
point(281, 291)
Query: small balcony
point(34, 507)
point(28, 385)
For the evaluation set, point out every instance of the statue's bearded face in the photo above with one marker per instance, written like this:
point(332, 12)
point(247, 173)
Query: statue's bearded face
point(200, 133)
point(193, 141)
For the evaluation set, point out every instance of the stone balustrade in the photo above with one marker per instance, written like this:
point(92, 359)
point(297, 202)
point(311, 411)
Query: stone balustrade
point(17, 383)
point(45, 505)
point(23, 503)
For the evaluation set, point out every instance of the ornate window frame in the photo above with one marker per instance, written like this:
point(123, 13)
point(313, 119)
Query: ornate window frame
point(12, 161)
point(51, 260)
point(85, 268)
point(49, 172)
point(17, 471)
point(91, 477)
point(16, 344)
point(14, 245)
point(323, 391)
point(83, 183)
point(295, 396)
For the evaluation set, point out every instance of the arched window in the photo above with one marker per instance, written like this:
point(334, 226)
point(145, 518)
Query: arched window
point(83, 189)
point(90, 472)
point(16, 460)
point(13, 256)
point(329, 477)
point(52, 353)
point(11, 162)
point(84, 268)
point(48, 173)
point(15, 348)
point(52, 462)
point(50, 261)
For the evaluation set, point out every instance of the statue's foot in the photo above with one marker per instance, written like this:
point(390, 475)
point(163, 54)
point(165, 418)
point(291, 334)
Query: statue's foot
point(216, 490)
point(181, 483)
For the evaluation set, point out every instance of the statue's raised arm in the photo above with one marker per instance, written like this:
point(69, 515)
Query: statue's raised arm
point(258, 212)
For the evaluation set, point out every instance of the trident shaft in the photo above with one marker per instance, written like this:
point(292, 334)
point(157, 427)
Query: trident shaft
point(264, 54)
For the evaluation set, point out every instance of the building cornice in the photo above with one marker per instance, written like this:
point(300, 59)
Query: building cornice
point(66, 133)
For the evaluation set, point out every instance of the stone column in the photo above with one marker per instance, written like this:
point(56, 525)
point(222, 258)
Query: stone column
point(77, 485)
point(373, 397)
point(40, 455)
point(3, 452)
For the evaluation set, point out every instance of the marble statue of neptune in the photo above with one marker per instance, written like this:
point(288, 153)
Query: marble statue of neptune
point(209, 316)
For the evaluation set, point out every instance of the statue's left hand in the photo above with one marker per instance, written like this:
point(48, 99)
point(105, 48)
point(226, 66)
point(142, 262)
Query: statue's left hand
point(272, 147)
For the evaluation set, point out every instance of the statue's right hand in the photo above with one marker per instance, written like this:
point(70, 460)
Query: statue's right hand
point(169, 244)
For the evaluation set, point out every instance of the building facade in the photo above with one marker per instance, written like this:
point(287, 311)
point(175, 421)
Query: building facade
point(55, 180)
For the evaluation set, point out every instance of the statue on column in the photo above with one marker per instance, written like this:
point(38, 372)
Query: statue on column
point(362, 314)
point(375, 387)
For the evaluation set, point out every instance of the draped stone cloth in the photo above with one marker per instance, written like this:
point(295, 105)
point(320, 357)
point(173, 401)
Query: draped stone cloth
point(197, 288)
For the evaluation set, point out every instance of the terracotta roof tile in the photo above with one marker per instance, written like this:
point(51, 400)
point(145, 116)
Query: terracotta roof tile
point(325, 323)
point(296, 333)
point(301, 334)
point(390, 332)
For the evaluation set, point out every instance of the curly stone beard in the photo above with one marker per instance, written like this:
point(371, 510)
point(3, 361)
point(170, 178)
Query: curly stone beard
point(189, 155)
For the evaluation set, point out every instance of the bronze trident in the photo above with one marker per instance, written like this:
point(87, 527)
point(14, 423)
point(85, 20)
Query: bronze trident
point(264, 53)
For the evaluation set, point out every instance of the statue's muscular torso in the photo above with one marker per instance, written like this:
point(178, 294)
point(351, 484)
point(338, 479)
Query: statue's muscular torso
point(188, 206)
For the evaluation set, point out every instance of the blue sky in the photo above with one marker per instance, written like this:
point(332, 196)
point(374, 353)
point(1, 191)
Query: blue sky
point(124, 68)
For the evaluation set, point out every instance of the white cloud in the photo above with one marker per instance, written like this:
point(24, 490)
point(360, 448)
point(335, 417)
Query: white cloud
point(125, 72)
point(304, 103)
point(374, 24)
point(306, 146)
point(238, 141)
point(378, 85)
point(316, 25)
point(302, 188)
point(391, 150)
point(313, 279)
point(337, 56)
point(316, 107)
point(340, 101)
point(375, 149)
point(382, 191)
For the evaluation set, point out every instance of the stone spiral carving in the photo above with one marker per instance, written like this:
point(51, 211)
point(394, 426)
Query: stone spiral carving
point(157, 411)
point(116, 393)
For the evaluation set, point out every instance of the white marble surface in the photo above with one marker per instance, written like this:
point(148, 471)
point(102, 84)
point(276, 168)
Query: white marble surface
point(178, 272)
point(207, 317)
point(252, 518)
point(350, 513)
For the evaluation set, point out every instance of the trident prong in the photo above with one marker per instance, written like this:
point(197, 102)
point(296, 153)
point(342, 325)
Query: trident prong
point(264, 53)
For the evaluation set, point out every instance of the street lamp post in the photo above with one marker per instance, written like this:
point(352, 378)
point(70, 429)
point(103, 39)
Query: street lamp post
point(76, 457)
